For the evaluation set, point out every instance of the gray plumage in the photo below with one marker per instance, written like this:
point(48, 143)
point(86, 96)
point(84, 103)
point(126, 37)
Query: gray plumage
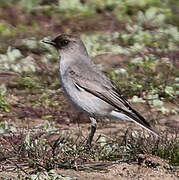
point(87, 88)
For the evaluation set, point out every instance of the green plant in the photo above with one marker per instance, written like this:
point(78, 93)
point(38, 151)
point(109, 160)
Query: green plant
point(28, 83)
point(73, 7)
point(3, 103)
point(29, 5)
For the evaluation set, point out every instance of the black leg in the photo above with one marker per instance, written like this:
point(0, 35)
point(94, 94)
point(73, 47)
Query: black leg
point(92, 131)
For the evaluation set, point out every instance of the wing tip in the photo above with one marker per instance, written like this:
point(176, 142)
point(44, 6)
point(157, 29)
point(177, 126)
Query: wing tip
point(143, 123)
point(154, 131)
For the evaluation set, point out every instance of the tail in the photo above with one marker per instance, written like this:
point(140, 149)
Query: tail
point(137, 118)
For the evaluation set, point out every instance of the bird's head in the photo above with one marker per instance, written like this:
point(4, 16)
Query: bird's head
point(67, 43)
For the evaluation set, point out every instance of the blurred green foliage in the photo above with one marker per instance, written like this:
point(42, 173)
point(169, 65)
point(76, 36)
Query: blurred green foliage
point(28, 83)
point(122, 9)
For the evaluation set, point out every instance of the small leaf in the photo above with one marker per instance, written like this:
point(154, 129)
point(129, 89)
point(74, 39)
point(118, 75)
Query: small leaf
point(169, 90)
point(13, 54)
point(3, 89)
point(164, 110)
point(137, 99)
point(27, 140)
point(157, 102)
point(151, 13)
point(102, 141)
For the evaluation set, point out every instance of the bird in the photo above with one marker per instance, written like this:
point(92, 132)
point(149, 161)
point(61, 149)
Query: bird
point(88, 89)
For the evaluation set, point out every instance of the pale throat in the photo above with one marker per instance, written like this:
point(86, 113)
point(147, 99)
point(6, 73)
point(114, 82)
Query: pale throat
point(65, 61)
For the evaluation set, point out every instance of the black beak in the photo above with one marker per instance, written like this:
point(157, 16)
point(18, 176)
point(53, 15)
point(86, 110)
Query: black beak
point(51, 42)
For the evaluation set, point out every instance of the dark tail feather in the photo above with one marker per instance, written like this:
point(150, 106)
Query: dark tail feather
point(138, 119)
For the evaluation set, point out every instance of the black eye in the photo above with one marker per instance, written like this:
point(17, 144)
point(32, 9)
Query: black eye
point(64, 42)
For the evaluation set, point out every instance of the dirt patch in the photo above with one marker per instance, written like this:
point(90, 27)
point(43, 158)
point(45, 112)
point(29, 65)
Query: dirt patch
point(122, 171)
